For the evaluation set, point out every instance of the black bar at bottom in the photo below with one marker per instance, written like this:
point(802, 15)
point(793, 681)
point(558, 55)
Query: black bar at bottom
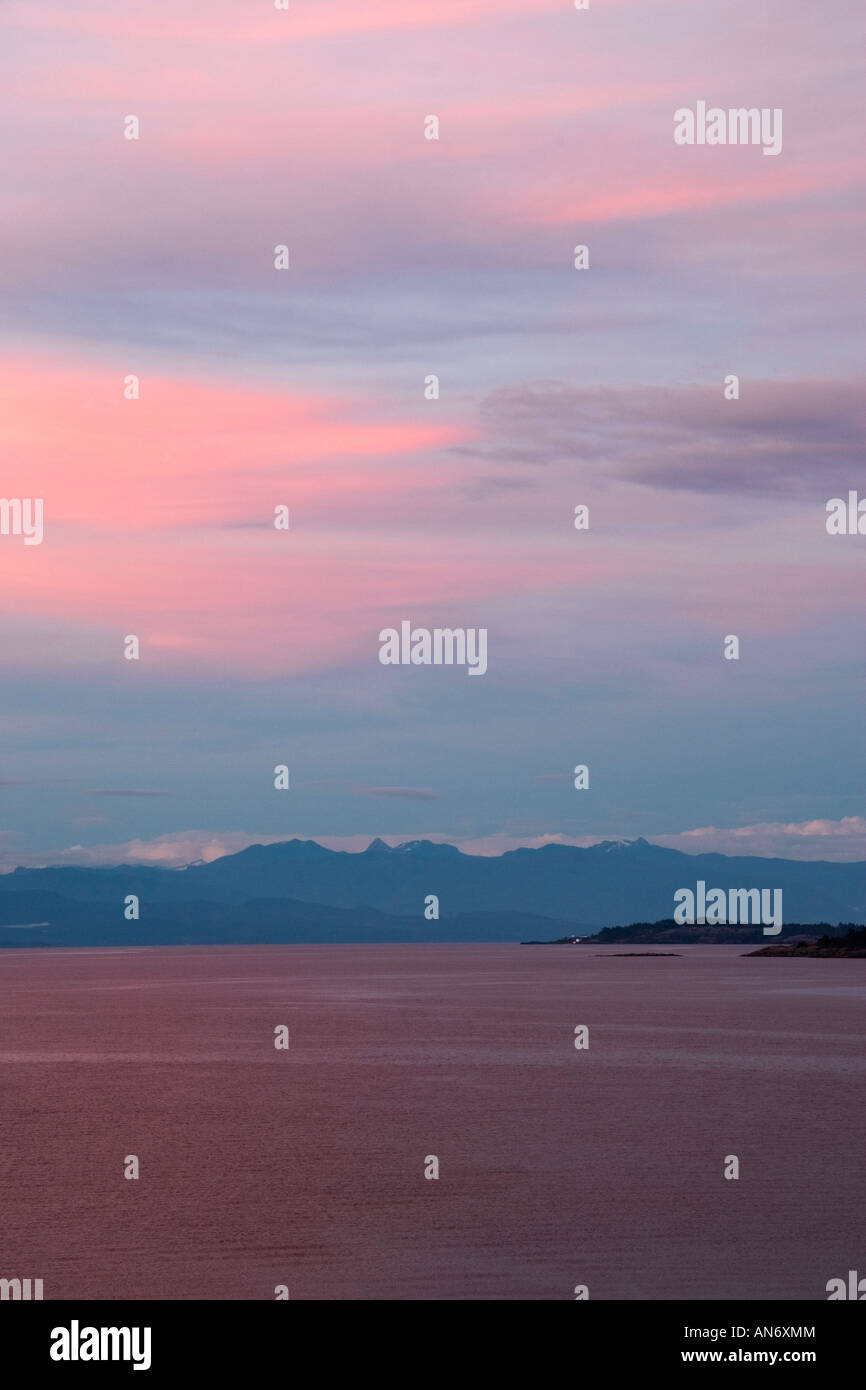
point(220, 1339)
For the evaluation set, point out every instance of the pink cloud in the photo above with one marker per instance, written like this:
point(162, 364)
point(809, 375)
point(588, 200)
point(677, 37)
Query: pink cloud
point(159, 522)
point(694, 190)
point(584, 136)
point(216, 21)
point(159, 518)
point(192, 451)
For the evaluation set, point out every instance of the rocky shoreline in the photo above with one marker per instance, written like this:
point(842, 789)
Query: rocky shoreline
point(854, 945)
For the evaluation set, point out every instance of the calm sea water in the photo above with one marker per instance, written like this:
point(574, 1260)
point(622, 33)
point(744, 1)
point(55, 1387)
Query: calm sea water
point(306, 1167)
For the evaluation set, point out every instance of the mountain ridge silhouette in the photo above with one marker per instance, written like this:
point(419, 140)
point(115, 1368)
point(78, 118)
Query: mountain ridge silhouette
point(610, 882)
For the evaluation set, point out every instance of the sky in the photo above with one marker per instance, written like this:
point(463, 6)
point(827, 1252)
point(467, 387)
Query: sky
point(305, 388)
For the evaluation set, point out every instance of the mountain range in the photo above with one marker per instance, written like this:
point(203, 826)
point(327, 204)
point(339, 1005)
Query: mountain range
point(297, 890)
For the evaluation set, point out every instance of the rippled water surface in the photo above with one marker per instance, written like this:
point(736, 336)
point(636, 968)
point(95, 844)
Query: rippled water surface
point(305, 1167)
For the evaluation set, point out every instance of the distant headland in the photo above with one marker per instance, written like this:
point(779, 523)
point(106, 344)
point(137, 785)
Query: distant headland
point(853, 943)
point(799, 938)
